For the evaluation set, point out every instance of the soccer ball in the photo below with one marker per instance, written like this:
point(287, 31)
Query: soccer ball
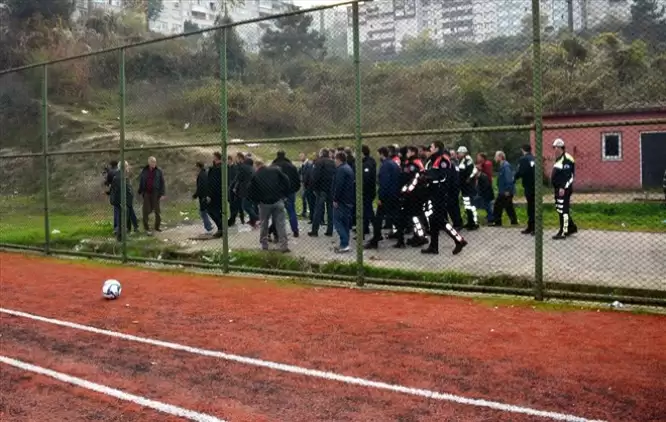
point(111, 289)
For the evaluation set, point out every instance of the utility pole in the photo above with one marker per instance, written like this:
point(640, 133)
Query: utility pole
point(570, 15)
point(584, 14)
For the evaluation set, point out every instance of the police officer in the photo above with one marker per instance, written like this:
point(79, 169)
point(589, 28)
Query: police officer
point(562, 179)
point(453, 192)
point(438, 172)
point(412, 198)
point(467, 176)
point(525, 172)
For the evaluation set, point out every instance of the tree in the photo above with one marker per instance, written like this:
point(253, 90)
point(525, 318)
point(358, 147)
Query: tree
point(236, 57)
point(648, 22)
point(23, 11)
point(190, 26)
point(151, 9)
point(292, 39)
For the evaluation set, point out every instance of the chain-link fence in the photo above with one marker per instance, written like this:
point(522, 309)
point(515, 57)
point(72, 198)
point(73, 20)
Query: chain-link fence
point(358, 142)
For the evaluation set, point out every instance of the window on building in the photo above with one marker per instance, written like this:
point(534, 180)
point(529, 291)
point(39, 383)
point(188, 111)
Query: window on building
point(611, 146)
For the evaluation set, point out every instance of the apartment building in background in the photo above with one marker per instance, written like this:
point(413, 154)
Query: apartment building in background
point(386, 23)
point(204, 12)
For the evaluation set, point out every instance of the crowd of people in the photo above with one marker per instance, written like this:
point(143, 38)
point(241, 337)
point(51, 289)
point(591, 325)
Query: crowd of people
point(413, 190)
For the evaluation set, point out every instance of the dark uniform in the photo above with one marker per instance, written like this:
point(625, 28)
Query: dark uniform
point(562, 178)
point(526, 174)
point(411, 203)
point(453, 193)
point(438, 173)
point(467, 173)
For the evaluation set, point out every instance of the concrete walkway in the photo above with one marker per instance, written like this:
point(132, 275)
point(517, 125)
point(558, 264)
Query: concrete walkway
point(620, 259)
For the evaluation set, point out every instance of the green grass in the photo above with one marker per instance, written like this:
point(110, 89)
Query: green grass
point(22, 221)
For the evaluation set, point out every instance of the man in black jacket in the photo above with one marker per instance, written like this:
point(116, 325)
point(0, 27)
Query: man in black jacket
point(116, 200)
point(525, 172)
point(152, 189)
point(369, 188)
point(235, 203)
point(307, 196)
point(322, 181)
point(109, 173)
point(214, 192)
point(290, 170)
point(268, 188)
point(201, 194)
point(241, 184)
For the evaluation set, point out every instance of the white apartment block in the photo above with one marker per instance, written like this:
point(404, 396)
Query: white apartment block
point(385, 23)
point(204, 12)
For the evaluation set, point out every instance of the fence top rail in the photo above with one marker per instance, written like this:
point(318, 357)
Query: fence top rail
point(182, 35)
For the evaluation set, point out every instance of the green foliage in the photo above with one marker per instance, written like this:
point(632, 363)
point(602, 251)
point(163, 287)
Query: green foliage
point(30, 11)
point(151, 9)
point(236, 57)
point(293, 39)
point(648, 23)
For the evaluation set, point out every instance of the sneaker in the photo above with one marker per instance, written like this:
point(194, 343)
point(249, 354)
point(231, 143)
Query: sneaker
point(338, 249)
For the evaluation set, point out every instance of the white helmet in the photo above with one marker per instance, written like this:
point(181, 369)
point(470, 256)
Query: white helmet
point(462, 150)
point(558, 143)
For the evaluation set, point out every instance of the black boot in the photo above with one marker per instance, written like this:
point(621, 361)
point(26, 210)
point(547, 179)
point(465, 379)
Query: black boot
point(433, 248)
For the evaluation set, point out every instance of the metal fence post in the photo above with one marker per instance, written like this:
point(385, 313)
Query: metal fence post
point(538, 150)
point(122, 225)
point(224, 140)
point(45, 156)
point(358, 147)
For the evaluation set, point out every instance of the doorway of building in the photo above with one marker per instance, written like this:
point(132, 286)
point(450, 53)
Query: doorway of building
point(653, 159)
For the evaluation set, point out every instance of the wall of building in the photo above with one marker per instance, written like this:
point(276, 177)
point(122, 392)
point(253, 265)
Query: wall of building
point(592, 170)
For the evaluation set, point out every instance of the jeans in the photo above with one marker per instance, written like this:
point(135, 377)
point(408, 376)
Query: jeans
point(275, 212)
point(342, 223)
point(249, 209)
point(309, 199)
point(290, 207)
point(132, 221)
point(206, 220)
point(480, 202)
point(323, 201)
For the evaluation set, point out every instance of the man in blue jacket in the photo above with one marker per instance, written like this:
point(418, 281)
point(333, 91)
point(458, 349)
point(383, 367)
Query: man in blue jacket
point(388, 194)
point(343, 195)
point(506, 189)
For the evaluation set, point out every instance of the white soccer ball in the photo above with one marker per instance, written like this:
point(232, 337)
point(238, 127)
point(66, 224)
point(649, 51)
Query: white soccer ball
point(111, 289)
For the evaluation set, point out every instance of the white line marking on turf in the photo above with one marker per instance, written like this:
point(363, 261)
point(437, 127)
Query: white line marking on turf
point(331, 376)
point(142, 401)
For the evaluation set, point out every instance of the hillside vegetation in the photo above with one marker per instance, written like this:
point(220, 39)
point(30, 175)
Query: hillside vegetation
point(299, 84)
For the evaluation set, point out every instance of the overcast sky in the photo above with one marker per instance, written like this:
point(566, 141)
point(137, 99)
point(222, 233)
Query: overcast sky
point(313, 3)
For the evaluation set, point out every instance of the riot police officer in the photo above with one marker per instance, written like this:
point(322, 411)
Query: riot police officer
point(438, 172)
